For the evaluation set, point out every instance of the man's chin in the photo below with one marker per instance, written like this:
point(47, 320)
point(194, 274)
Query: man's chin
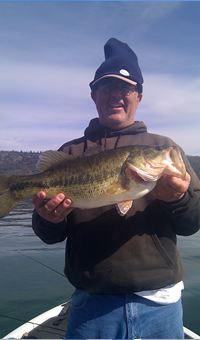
point(114, 122)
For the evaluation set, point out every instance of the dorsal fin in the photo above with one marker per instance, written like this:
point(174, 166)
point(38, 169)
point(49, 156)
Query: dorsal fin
point(50, 158)
point(93, 150)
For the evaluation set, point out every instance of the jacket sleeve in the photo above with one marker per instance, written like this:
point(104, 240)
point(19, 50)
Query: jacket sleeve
point(185, 213)
point(49, 232)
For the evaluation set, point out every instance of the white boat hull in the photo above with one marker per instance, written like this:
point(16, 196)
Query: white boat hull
point(60, 312)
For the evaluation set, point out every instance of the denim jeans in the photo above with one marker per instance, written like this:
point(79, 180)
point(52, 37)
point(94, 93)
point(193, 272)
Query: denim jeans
point(122, 317)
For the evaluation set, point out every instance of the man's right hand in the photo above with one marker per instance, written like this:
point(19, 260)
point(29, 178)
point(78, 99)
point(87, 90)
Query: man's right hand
point(54, 210)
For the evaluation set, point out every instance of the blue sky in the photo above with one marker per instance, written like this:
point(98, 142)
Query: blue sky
point(50, 51)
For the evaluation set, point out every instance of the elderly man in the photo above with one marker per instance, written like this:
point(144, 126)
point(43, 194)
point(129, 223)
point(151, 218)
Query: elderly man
point(127, 269)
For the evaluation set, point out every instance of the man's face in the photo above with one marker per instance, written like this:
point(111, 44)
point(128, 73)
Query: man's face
point(116, 102)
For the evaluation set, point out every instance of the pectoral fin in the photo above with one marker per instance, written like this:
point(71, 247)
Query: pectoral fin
point(123, 207)
point(115, 188)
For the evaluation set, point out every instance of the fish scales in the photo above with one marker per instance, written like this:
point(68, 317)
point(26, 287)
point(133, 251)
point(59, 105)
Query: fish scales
point(95, 179)
point(89, 170)
point(91, 175)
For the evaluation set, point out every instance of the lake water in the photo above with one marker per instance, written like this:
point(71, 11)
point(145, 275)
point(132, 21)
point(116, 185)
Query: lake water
point(28, 288)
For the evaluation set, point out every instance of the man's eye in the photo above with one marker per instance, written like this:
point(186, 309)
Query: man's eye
point(125, 88)
point(107, 88)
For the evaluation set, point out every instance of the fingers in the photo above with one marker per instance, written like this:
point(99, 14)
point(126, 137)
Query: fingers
point(53, 210)
point(169, 188)
point(38, 199)
point(179, 184)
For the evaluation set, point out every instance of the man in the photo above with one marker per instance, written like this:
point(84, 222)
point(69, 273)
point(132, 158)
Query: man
point(127, 270)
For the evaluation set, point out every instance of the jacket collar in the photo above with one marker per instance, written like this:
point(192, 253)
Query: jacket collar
point(95, 130)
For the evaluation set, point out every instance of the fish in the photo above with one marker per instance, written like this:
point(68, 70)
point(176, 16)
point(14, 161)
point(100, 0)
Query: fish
point(97, 178)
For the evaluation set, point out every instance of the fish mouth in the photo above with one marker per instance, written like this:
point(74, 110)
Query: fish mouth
point(171, 164)
point(144, 175)
point(177, 160)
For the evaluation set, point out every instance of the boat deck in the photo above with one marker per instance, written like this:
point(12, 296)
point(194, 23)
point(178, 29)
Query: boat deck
point(53, 324)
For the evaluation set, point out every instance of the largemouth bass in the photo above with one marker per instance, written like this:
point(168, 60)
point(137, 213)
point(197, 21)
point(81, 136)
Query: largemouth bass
point(96, 179)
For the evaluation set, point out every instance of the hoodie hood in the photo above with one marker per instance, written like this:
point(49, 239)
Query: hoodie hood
point(97, 131)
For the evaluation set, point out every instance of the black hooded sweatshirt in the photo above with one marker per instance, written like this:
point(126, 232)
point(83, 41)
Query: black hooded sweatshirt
point(110, 254)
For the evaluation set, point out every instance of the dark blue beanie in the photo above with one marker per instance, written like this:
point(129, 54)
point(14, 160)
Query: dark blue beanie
point(120, 62)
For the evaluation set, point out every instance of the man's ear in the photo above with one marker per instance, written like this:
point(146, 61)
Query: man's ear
point(93, 96)
point(140, 95)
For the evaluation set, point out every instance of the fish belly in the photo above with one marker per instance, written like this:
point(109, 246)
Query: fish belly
point(107, 199)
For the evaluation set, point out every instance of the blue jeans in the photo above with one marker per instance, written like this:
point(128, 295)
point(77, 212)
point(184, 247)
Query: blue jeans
point(122, 317)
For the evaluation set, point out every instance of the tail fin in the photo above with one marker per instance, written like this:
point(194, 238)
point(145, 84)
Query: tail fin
point(7, 198)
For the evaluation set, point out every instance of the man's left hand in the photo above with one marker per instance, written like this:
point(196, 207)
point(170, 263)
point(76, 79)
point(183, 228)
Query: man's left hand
point(170, 189)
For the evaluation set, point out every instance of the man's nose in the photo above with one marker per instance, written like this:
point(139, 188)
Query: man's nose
point(116, 90)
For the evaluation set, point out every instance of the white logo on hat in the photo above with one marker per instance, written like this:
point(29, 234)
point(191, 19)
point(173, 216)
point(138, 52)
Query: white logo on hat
point(124, 72)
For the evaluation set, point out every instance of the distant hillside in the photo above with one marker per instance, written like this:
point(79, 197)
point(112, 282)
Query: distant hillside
point(18, 163)
point(195, 163)
point(24, 163)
